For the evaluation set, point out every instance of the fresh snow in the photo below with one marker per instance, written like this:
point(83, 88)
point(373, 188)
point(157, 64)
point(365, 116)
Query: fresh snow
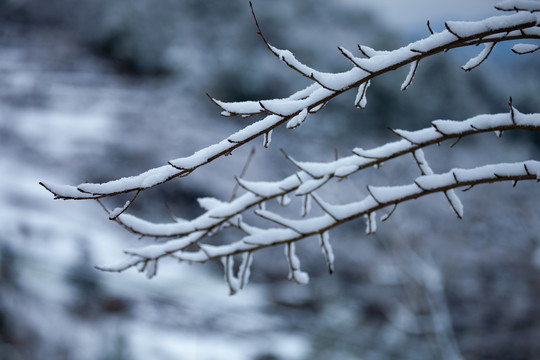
point(478, 59)
point(525, 48)
point(298, 119)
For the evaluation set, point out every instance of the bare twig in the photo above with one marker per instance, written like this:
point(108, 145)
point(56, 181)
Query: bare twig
point(243, 172)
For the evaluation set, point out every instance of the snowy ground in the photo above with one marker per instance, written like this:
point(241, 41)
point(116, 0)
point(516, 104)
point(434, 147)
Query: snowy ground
point(60, 113)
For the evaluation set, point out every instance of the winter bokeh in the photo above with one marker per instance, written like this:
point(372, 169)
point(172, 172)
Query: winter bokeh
point(95, 90)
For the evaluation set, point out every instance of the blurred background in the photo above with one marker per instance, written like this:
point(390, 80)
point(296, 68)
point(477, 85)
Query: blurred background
point(94, 90)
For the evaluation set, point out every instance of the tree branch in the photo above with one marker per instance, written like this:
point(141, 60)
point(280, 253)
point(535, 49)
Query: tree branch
point(387, 196)
point(260, 192)
point(492, 30)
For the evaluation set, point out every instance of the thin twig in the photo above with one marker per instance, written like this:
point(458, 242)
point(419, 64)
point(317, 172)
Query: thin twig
point(242, 173)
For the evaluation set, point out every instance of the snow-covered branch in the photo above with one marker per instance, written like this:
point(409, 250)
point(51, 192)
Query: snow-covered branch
point(294, 109)
point(294, 230)
point(186, 240)
point(313, 175)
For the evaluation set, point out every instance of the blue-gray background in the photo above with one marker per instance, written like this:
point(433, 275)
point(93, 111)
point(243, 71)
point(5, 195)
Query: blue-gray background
point(98, 89)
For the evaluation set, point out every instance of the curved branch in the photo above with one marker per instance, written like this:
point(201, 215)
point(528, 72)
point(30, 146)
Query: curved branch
point(260, 192)
point(387, 196)
point(491, 30)
point(184, 239)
